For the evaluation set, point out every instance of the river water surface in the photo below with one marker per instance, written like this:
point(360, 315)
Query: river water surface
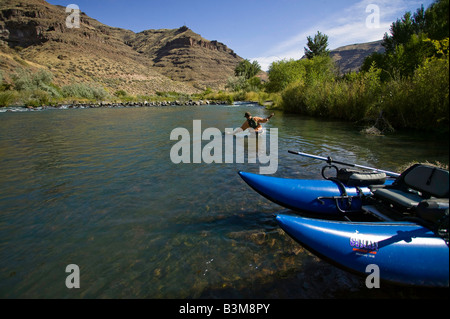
point(97, 188)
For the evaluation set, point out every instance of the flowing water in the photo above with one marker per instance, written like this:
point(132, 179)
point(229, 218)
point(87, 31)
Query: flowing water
point(97, 188)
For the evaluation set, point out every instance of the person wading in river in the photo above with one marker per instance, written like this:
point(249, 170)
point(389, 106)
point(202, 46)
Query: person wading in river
point(254, 123)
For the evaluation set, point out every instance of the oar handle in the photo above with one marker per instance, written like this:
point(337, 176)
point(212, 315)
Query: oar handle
point(329, 160)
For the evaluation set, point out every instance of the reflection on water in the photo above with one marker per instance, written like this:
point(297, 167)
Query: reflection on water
point(96, 188)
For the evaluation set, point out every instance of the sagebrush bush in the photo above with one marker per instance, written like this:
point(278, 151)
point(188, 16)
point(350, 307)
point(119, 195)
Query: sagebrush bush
point(7, 98)
point(83, 90)
point(421, 101)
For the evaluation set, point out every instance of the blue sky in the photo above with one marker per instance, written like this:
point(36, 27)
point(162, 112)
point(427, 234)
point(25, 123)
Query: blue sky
point(259, 30)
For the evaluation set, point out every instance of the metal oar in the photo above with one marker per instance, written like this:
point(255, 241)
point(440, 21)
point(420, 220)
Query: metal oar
point(329, 160)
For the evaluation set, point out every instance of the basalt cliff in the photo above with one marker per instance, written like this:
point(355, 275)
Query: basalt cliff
point(34, 34)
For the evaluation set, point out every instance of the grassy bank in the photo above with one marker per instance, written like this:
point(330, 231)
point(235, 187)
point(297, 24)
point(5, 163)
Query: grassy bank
point(419, 102)
point(37, 89)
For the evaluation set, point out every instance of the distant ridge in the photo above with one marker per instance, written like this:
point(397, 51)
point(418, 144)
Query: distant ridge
point(184, 55)
point(351, 57)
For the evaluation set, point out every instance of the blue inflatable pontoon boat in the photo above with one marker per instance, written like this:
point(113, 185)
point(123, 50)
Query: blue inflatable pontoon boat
point(406, 235)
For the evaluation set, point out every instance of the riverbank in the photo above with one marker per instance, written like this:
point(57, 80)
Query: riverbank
point(78, 105)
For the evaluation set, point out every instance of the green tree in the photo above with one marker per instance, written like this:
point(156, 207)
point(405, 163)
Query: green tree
point(254, 84)
point(236, 83)
point(411, 55)
point(402, 30)
point(407, 46)
point(310, 92)
point(380, 61)
point(317, 46)
point(247, 69)
point(318, 69)
point(436, 20)
point(433, 22)
point(284, 72)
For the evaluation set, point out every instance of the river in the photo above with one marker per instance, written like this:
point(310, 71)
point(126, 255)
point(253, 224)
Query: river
point(98, 188)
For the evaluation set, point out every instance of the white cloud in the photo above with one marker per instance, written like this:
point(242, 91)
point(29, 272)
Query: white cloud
point(292, 48)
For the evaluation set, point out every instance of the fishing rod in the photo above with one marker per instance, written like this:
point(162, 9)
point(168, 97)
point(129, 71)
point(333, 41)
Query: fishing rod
point(329, 160)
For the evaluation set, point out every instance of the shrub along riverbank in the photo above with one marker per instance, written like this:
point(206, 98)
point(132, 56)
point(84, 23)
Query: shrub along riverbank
point(37, 89)
point(420, 101)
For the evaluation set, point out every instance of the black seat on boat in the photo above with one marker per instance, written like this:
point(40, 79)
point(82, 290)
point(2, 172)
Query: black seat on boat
point(417, 183)
point(403, 199)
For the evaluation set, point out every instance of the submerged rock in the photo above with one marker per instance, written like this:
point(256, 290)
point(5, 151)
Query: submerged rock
point(372, 131)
